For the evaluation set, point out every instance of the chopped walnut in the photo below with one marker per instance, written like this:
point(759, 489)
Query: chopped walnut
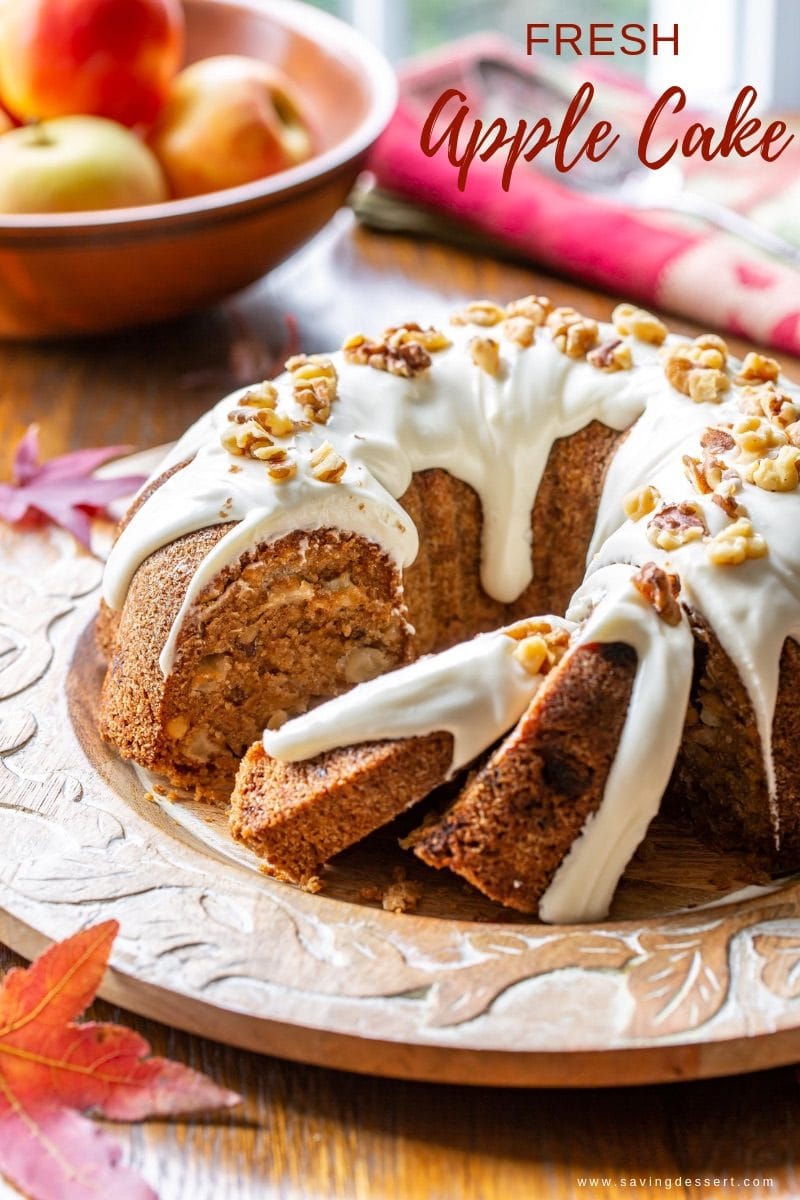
point(637, 322)
point(573, 334)
point(707, 385)
point(539, 646)
point(750, 401)
point(696, 371)
point(713, 470)
point(757, 368)
point(405, 359)
point(480, 312)
point(614, 355)
point(754, 436)
point(735, 543)
point(485, 353)
point(279, 424)
point(327, 465)
point(779, 474)
point(262, 395)
point(676, 524)
point(678, 366)
point(712, 341)
point(269, 453)
point(694, 470)
point(520, 330)
point(716, 441)
point(766, 400)
point(282, 471)
point(661, 590)
point(639, 503)
point(729, 505)
point(792, 432)
point(314, 384)
point(559, 318)
point(246, 437)
point(781, 411)
point(432, 340)
point(535, 309)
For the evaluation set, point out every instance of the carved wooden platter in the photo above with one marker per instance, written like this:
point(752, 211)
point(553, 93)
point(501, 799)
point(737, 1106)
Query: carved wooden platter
point(697, 973)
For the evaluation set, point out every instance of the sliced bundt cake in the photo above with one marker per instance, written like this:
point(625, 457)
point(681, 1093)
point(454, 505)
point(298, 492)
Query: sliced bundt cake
point(408, 493)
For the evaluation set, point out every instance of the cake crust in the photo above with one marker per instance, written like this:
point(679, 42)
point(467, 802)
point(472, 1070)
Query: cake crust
point(509, 828)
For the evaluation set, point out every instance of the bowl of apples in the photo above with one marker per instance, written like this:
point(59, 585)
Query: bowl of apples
point(158, 155)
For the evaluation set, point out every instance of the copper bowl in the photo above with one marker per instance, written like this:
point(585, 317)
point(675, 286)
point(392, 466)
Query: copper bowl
point(79, 273)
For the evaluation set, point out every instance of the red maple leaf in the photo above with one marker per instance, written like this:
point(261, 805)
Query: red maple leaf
point(52, 1071)
point(63, 490)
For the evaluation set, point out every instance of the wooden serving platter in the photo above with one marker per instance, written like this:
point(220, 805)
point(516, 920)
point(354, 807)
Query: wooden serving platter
point(697, 972)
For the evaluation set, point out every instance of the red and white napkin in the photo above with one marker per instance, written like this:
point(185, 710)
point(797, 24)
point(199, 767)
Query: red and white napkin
point(657, 257)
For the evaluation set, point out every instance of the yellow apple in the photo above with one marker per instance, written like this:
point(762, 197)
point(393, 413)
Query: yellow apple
point(229, 120)
point(73, 164)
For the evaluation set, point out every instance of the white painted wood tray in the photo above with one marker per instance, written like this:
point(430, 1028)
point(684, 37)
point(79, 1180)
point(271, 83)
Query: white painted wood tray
point(458, 991)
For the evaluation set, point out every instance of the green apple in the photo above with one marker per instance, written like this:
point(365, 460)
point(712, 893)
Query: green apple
point(76, 164)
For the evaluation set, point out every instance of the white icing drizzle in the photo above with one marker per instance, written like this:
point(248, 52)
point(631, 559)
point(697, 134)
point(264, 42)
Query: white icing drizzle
point(494, 433)
point(476, 691)
point(585, 882)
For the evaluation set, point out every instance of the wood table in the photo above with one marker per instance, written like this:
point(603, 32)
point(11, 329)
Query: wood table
point(305, 1132)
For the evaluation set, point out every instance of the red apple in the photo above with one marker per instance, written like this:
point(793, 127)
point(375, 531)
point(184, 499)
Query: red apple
point(74, 164)
point(229, 120)
point(108, 58)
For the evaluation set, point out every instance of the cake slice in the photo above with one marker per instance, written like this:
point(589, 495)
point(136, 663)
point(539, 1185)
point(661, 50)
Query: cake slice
point(296, 816)
point(326, 780)
point(509, 829)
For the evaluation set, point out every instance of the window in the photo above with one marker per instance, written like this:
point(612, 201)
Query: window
point(724, 43)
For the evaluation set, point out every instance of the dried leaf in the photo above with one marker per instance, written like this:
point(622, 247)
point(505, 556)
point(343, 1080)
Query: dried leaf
point(52, 1070)
point(63, 490)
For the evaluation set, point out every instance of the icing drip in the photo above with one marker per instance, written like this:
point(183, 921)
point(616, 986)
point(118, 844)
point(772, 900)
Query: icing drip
point(753, 607)
point(454, 416)
point(584, 884)
point(476, 691)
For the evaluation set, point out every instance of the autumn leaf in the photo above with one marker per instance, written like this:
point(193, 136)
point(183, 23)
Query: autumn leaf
point(52, 1071)
point(63, 490)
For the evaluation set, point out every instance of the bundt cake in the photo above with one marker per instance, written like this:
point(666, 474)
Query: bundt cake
point(406, 494)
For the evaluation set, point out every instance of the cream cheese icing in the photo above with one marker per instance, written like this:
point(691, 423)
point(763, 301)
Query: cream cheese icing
point(492, 432)
point(476, 691)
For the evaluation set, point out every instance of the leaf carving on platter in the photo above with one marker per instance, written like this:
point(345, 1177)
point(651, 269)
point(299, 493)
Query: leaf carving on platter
point(681, 979)
point(17, 727)
point(508, 958)
point(781, 970)
point(324, 956)
point(25, 620)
